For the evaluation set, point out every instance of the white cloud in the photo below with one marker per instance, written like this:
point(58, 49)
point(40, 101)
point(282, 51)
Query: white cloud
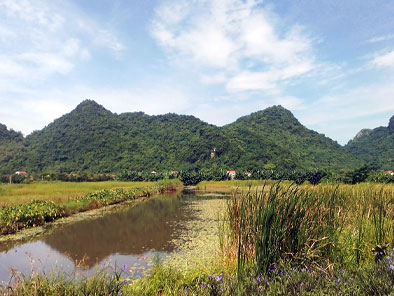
point(37, 42)
point(229, 35)
point(47, 63)
point(107, 39)
point(381, 38)
point(384, 61)
point(341, 115)
point(29, 103)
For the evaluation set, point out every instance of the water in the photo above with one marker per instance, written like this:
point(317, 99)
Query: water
point(132, 236)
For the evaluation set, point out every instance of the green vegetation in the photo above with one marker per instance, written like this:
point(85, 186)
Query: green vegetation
point(17, 194)
point(35, 213)
point(91, 139)
point(281, 239)
point(375, 146)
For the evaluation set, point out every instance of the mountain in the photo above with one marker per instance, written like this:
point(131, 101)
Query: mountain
point(376, 146)
point(93, 139)
point(11, 145)
point(9, 135)
point(277, 134)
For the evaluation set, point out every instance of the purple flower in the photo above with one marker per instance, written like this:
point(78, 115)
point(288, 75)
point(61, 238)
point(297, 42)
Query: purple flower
point(258, 279)
point(391, 267)
point(185, 291)
point(124, 267)
point(203, 286)
point(217, 278)
point(210, 276)
point(389, 259)
point(337, 281)
point(293, 268)
point(343, 271)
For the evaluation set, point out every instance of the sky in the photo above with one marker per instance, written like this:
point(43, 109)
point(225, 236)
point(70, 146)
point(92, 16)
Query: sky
point(330, 62)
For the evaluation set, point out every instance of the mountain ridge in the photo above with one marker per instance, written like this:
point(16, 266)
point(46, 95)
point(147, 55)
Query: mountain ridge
point(93, 139)
point(375, 147)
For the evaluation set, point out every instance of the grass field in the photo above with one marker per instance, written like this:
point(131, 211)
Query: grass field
point(281, 239)
point(33, 205)
point(16, 194)
point(229, 185)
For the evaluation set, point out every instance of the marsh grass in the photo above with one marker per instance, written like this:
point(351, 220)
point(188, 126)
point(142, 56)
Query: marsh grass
point(311, 225)
point(36, 213)
point(292, 240)
point(101, 283)
point(16, 194)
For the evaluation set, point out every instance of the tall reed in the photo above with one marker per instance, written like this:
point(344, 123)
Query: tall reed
point(309, 225)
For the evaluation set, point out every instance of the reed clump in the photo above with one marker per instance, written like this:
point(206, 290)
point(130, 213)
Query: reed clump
point(310, 225)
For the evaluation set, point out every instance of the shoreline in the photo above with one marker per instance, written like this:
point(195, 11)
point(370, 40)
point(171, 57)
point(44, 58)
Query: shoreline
point(26, 234)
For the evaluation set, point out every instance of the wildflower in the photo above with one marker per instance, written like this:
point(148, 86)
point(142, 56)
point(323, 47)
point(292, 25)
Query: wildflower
point(343, 271)
point(218, 278)
point(389, 259)
point(203, 286)
point(391, 267)
point(184, 291)
point(293, 268)
point(258, 279)
point(210, 276)
point(337, 281)
point(125, 282)
point(124, 267)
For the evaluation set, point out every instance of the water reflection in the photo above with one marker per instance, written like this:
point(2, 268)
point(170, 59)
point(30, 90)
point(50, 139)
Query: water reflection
point(147, 226)
point(131, 236)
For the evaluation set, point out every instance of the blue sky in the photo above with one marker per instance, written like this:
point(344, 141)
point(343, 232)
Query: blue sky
point(330, 62)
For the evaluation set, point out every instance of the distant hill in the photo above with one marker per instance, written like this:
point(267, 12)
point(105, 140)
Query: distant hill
point(376, 146)
point(93, 139)
point(11, 145)
point(275, 136)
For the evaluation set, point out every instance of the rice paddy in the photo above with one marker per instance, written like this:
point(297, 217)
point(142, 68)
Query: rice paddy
point(16, 194)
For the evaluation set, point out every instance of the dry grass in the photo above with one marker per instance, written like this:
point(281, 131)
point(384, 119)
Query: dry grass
point(16, 194)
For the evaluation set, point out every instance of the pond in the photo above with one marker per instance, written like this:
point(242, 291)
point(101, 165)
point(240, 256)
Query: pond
point(163, 226)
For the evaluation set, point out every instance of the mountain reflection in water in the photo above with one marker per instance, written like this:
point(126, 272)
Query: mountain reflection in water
point(130, 235)
point(150, 225)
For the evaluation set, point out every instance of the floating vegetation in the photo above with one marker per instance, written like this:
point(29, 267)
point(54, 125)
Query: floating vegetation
point(198, 243)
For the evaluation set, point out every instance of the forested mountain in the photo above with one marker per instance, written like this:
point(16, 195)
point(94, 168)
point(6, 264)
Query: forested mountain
point(275, 136)
point(11, 144)
point(376, 146)
point(93, 139)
